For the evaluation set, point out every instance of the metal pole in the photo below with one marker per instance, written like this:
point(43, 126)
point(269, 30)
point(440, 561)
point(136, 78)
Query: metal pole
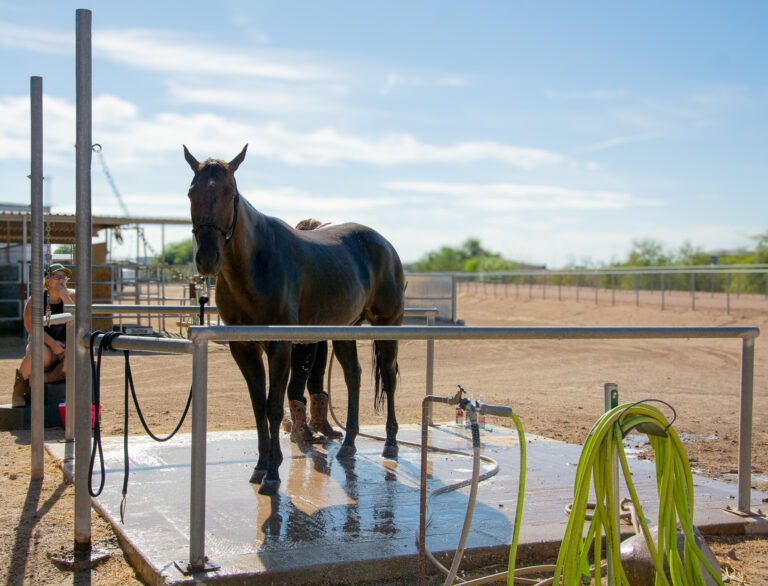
point(745, 422)
point(728, 293)
point(37, 414)
point(637, 290)
point(611, 397)
point(430, 366)
point(693, 291)
point(69, 398)
point(530, 287)
point(559, 287)
point(662, 291)
point(162, 271)
point(83, 276)
point(595, 287)
point(578, 286)
point(197, 477)
point(613, 289)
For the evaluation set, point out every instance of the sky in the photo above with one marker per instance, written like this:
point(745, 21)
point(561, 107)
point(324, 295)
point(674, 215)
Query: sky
point(556, 132)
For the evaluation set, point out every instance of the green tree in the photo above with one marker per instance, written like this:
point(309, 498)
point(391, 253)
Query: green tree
point(471, 257)
point(647, 252)
point(63, 249)
point(178, 253)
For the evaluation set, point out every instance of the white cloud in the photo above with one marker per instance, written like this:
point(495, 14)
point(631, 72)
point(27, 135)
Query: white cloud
point(158, 50)
point(590, 96)
point(395, 80)
point(36, 39)
point(501, 197)
point(275, 99)
point(620, 141)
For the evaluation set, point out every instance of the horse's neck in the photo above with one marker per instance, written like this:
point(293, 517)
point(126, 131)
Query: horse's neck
point(252, 234)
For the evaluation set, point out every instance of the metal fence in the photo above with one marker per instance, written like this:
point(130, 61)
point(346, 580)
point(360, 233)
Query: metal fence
point(710, 285)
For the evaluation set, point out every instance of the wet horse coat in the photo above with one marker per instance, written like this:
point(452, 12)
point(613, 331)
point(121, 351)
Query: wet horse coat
point(268, 273)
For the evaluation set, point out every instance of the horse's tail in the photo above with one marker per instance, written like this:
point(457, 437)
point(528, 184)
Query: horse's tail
point(379, 395)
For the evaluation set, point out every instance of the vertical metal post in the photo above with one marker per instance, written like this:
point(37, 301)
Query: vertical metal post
point(611, 394)
point(578, 286)
point(662, 291)
point(453, 299)
point(37, 414)
point(430, 366)
point(559, 287)
point(517, 287)
point(595, 278)
point(745, 422)
point(162, 272)
point(738, 285)
point(71, 380)
point(693, 291)
point(728, 293)
point(197, 475)
point(530, 287)
point(83, 145)
point(766, 284)
point(613, 288)
point(637, 290)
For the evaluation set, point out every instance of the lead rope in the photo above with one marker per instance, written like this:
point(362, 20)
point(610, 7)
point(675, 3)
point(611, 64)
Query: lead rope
point(106, 342)
point(204, 298)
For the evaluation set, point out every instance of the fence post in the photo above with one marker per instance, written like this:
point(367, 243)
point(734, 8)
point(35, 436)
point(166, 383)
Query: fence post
point(595, 287)
point(613, 288)
point(728, 293)
point(637, 290)
point(693, 291)
point(37, 409)
point(197, 472)
point(662, 291)
point(430, 366)
point(530, 287)
point(578, 286)
point(745, 422)
point(83, 235)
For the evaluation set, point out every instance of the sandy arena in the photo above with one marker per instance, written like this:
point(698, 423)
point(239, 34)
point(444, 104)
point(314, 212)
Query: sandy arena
point(556, 387)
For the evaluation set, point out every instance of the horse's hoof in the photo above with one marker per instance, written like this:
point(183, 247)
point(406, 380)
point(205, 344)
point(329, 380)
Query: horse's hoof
point(258, 475)
point(346, 452)
point(390, 451)
point(269, 487)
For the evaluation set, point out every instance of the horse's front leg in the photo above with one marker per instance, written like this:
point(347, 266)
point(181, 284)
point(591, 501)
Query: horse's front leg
point(247, 356)
point(279, 358)
point(346, 354)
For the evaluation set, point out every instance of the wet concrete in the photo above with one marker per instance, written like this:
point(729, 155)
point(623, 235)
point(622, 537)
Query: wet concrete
point(351, 521)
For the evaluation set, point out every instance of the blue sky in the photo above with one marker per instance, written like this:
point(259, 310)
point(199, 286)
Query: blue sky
point(555, 132)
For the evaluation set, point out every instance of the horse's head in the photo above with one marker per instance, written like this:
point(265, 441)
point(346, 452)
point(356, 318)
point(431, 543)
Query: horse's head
point(213, 199)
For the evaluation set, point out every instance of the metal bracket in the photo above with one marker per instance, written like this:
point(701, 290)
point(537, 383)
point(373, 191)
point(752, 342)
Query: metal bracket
point(188, 569)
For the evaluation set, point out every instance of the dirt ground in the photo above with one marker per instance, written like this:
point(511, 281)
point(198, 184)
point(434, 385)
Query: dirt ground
point(556, 388)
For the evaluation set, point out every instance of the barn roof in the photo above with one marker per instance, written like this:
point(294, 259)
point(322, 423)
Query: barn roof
point(62, 226)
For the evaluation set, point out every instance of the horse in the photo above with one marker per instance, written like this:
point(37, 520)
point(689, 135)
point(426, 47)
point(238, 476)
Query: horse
point(268, 273)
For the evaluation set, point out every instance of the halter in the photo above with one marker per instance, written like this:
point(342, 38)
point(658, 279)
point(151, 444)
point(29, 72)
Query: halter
point(229, 233)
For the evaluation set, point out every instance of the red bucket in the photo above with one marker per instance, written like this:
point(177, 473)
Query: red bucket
point(63, 414)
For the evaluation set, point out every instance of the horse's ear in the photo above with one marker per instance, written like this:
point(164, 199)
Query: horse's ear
point(235, 163)
point(191, 160)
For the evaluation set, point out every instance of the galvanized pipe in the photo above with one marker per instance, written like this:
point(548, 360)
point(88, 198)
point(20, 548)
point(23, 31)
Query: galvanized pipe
point(197, 473)
point(430, 382)
point(319, 333)
point(37, 414)
point(142, 344)
point(83, 234)
point(745, 422)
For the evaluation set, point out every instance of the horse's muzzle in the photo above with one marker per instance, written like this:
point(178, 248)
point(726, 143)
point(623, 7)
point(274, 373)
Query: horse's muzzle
point(208, 262)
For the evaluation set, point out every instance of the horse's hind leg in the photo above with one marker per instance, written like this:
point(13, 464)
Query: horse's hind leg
point(385, 353)
point(346, 354)
point(247, 355)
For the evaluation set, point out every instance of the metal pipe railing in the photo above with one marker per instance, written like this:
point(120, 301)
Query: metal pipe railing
point(201, 335)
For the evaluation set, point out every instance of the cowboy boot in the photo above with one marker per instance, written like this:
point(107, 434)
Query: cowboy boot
point(56, 374)
point(20, 388)
point(318, 421)
point(299, 430)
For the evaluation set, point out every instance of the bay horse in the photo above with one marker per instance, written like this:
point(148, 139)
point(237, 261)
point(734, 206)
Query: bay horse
point(268, 273)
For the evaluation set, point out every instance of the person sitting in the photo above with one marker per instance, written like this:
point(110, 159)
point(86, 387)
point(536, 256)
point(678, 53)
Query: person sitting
point(55, 295)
